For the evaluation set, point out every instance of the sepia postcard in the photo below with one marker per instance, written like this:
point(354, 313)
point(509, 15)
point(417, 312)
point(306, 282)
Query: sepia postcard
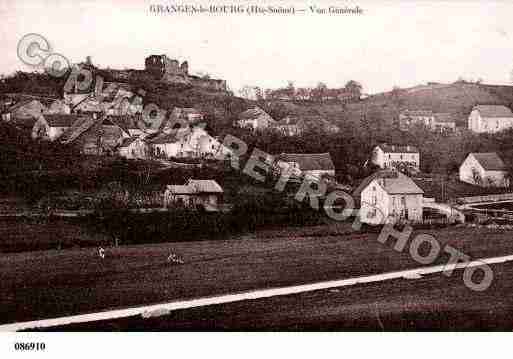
point(255, 166)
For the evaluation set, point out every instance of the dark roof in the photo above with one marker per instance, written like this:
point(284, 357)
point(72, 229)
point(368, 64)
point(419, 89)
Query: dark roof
point(309, 161)
point(125, 122)
point(491, 111)
point(80, 126)
point(163, 138)
point(61, 120)
point(398, 149)
point(24, 123)
point(490, 161)
point(19, 104)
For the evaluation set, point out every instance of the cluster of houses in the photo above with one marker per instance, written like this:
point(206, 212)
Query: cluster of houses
point(99, 127)
point(482, 119)
point(291, 125)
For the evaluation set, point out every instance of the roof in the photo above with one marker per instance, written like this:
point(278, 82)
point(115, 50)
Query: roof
point(417, 112)
point(254, 113)
point(195, 187)
point(308, 121)
point(166, 137)
point(24, 123)
point(493, 111)
point(180, 189)
point(205, 186)
point(128, 141)
point(309, 161)
point(61, 120)
point(444, 117)
point(80, 126)
point(490, 161)
point(398, 149)
point(21, 103)
point(126, 122)
point(393, 182)
point(402, 184)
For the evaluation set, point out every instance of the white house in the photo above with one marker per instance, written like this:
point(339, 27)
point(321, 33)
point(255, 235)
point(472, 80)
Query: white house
point(391, 156)
point(172, 144)
point(204, 193)
point(388, 196)
point(490, 118)
point(256, 119)
point(484, 169)
point(192, 142)
point(313, 165)
point(133, 148)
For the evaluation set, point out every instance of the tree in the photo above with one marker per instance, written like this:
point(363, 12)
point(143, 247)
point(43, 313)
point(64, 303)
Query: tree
point(354, 88)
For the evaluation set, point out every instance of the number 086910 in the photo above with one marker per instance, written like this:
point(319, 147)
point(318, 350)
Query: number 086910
point(29, 346)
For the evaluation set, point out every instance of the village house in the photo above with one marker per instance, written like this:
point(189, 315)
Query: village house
point(435, 121)
point(171, 145)
point(205, 194)
point(484, 169)
point(95, 135)
point(388, 196)
point(52, 126)
point(313, 165)
point(132, 124)
point(191, 142)
point(256, 119)
point(392, 156)
point(181, 118)
point(490, 118)
point(133, 148)
point(444, 122)
point(59, 107)
point(24, 109)
point(296, 125)
point(408, 118)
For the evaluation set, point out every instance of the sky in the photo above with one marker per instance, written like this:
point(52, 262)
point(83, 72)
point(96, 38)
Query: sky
point(393, 43)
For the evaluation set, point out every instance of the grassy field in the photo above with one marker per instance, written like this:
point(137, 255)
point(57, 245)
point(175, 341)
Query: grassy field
point(433, 302)
point(32, 234)
point(55, 283)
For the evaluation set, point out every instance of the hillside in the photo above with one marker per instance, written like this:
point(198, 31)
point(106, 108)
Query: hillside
point(457, 98)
